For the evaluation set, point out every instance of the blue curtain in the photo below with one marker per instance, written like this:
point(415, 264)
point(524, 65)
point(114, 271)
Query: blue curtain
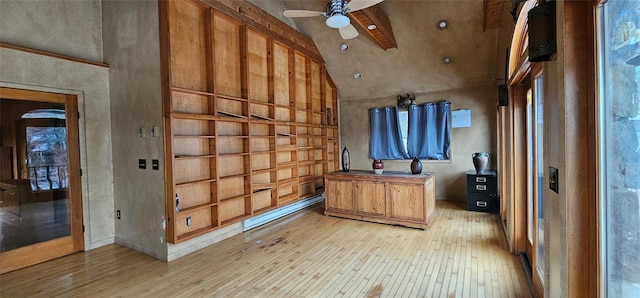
point(386, 140)
point(429, 133)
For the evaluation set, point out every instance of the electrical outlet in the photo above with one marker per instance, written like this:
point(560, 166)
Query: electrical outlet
point(118, 214)
point(189, 221)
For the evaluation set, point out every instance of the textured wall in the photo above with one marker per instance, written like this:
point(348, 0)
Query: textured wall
point(450, 175)
point(72, 28)
point(132, 49)
point(90, 83)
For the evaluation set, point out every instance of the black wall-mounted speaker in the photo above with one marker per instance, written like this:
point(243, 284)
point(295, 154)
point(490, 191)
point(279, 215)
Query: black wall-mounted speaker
point(542, 32)
point(503, 95)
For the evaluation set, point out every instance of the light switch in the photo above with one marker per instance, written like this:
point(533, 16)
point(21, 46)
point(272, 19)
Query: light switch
point(142, 164)
point(553, 179)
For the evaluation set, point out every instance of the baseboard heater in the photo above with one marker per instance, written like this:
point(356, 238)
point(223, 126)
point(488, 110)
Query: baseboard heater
point(280, 212)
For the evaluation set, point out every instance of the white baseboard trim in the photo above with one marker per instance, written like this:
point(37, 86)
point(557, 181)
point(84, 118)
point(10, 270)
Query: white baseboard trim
point(280, 212)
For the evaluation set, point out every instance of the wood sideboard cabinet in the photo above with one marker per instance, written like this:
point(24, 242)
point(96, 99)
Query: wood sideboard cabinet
point(398, 198)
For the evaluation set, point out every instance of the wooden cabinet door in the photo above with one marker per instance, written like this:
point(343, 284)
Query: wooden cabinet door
point(339, 195)
point(370, 197)
point(407, 201)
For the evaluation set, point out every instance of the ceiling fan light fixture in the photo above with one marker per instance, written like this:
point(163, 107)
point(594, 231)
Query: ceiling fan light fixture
point(337, 21)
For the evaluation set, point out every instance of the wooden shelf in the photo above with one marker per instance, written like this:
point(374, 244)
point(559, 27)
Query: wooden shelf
point(243, 196)
point(291, 164)
point(178, 157)
point(234, 176)
point(201, 206)
point(196, 92)
point(195, 182)
point(193, 137)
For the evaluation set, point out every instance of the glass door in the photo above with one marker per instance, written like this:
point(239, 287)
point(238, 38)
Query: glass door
point(534, 118)
point(617, 27)
point(40, 201)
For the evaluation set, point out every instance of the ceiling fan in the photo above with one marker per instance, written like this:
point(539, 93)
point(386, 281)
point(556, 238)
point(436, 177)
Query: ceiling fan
point(335, 13)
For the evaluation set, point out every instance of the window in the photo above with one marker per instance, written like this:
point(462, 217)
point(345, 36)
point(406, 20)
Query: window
point(422, 131)
point(619, 73)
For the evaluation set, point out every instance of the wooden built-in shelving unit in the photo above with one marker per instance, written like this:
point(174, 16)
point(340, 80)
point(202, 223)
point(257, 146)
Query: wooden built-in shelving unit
point(250, 120)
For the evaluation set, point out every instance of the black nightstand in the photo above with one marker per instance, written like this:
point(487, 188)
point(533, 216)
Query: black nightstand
point(482, 192)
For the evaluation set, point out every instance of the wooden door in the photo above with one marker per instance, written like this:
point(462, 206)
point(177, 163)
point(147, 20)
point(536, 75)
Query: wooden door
point(407, 201)
point(41, 129)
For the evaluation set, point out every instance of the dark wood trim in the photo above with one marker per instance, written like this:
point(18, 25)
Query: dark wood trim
point(383, 33)
point(49, 54)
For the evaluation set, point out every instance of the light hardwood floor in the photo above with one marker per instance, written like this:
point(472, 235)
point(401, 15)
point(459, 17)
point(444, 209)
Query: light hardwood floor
point(461, 254)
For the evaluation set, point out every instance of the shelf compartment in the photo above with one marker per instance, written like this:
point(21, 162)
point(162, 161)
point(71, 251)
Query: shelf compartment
point(263, 200)
point(193, 169)
point(264, 179)
point(227, 55)
point(288, 156)
point(317, 118)
point(191, 103)
point(192, 127)
point(257, 66)
point(284, 174)
point(300, 81)
point(196, 194)
point(319, 154)
point(263, 161)
point(290, 197)
point(194, 146)
point(232, 107)
point(233, 144)
point(306, 188)
point(319, 183)
point(319, 142)
point(332, 133)
point(233, 209)
point(262, 111)
point(201, 219)
point(303, 116)
point(284, 114)
point(305, 156)
point(233, 165)
point(281, 68)
point(261, 129)
point(233, 186)
point(188, 56)
point(316, 90)
point(263, 144)
point(232, 128)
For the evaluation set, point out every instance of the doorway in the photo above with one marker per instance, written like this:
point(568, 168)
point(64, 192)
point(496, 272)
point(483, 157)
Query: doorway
point(40, 186)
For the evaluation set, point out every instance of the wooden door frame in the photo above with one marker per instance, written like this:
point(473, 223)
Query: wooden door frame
point(44, 251)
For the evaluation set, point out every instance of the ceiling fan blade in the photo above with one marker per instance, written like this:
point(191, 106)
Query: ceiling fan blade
point(348, 32)
point(293, 13)
point(355, 5)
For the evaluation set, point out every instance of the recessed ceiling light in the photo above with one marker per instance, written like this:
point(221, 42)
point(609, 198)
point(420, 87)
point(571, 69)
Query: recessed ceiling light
point(372, 26)
point(442, 24)
point(447, 60)
point(357, 75)
point(344, 47)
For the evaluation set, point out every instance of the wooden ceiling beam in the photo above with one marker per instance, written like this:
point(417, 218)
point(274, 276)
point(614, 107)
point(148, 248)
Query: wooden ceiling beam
point(383, 33)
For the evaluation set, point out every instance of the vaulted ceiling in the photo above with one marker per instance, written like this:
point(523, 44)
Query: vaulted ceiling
point(414, 62)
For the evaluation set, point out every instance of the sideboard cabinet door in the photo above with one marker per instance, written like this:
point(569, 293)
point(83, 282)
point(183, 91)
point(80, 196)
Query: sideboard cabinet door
point(407, 201)
point(339, 195)
point(370, 197)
